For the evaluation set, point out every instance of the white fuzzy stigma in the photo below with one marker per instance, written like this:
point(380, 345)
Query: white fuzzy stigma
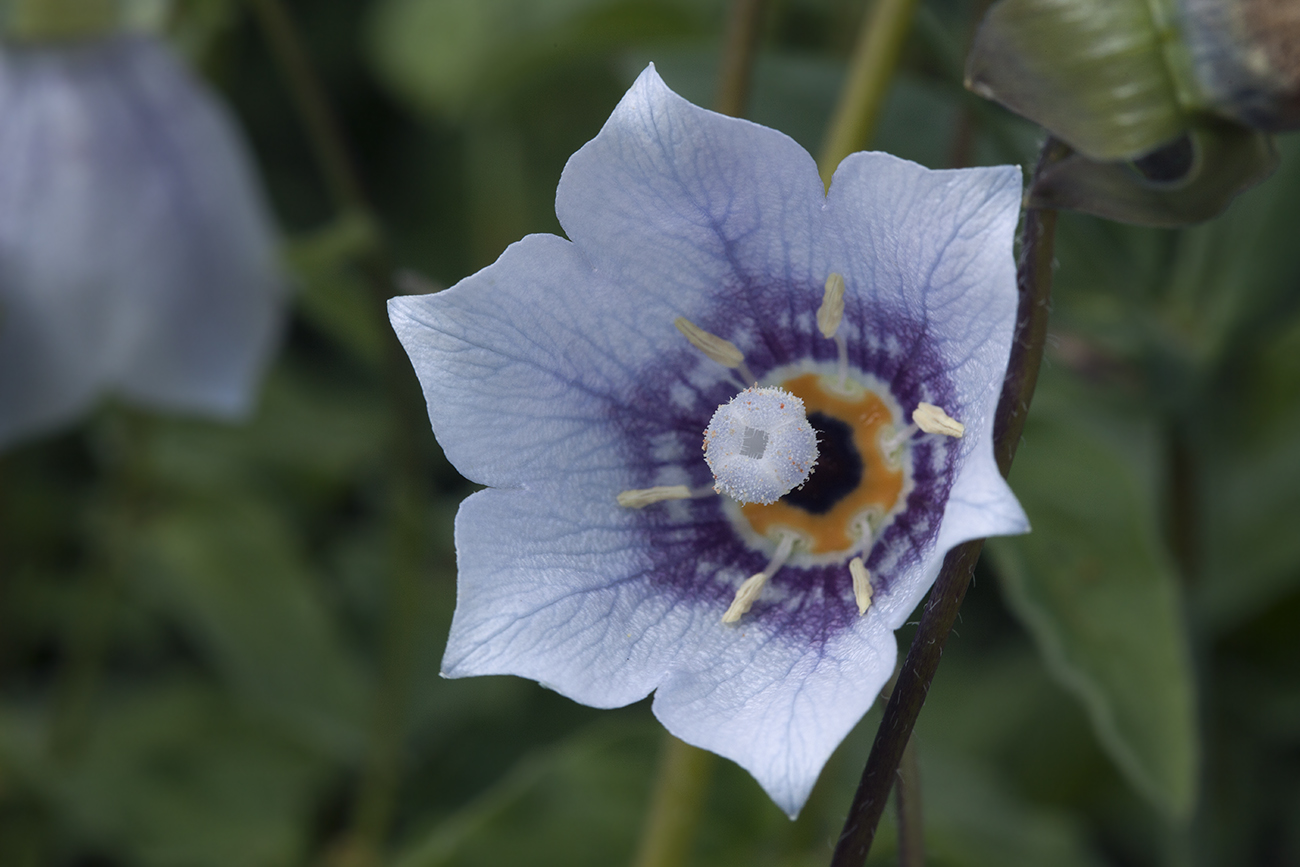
point(760, 445)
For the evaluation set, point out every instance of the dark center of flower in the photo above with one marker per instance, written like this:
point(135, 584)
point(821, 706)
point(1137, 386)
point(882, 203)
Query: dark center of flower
point(839, 467)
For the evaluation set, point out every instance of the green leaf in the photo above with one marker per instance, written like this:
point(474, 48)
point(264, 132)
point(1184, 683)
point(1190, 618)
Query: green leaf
point(232, 574)
point(1251, 475)
point(440, 55)
point(596, 780)
point(334, 297)
point(973, 821)
point(1091, 71)
point(174, 776)
point(1095, 588)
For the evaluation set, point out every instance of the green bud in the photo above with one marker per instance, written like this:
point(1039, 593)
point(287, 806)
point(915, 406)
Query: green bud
point(1119, 78)
point(1192, 179)
point(1093, 72)
point(58, 20)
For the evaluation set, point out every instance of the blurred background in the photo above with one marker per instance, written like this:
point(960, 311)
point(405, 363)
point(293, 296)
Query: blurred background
point(219, 643)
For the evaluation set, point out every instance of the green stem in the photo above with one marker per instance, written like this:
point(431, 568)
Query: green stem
point(871, 68)
point(907, 799)
point(327, 142)
point(740, 45)
point(381, 776)
point(675, 805)
point(1034, 283)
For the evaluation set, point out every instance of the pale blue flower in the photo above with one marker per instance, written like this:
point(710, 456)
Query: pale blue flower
point(136, 256)
point(599, 562)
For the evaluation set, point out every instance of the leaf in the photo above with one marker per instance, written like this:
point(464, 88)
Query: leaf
point(595, 780)
point(174, 776)
point(972, 821)
point(1095, 588)
point(232, 575)
point(1251, 475)
point(442, 56)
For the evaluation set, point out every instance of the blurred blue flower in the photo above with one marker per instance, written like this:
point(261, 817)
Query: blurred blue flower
point(136, 255)
point(600, 561)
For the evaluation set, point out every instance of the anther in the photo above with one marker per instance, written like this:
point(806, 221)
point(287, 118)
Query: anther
point(724, 352)
point(831, 313)
point(748, 592)
point(639, 498)
point(862, 589)
point(829, 317)
point(934, 420)
point(760, 446)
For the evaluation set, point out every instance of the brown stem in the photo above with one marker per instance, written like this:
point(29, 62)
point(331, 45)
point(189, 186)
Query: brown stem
point(907, 799)
point(1034, 283)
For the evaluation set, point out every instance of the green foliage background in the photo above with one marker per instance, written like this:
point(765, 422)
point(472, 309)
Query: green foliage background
point(196, 620)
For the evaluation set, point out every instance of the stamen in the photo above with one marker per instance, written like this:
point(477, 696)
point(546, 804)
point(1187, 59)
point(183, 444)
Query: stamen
point(862, 589)
point(831, 313)
point(934, 420)
point(748, 592)
point(829, 317)
point(724, 352)
point(639, 498)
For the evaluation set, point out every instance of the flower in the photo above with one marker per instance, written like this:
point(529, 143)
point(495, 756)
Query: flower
point(600, 561)
point(136, 255)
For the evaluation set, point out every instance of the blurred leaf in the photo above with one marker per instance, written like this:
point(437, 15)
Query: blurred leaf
point(971, 821)
point(172, 776)
point(442, 55)
point(596, 781)
point(1094, 587)
point(334, 297)
point(311, 428)
point(231, 572)
point(1252, 474)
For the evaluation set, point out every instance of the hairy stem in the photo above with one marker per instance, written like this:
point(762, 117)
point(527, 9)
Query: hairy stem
point(675, 805)
point(907, 799)
point(871, 68)
point(1034, 282)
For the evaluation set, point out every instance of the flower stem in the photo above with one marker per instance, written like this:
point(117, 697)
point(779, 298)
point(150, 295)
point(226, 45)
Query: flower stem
point(871, 67)
point(313, 105)
point(1034, 282)
point(907, 799)
point(381, 776)
point(675, 805)
point(744, 26)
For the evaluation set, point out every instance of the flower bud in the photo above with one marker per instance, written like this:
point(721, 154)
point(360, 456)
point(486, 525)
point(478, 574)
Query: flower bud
point(1119, 78)
point(1165, 102)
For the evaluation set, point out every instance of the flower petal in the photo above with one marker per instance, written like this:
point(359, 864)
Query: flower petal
point(938, 250)
point(555, 587)
point(522, 362)
point(135, 251)
point(675, 202)
point(776, 707)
